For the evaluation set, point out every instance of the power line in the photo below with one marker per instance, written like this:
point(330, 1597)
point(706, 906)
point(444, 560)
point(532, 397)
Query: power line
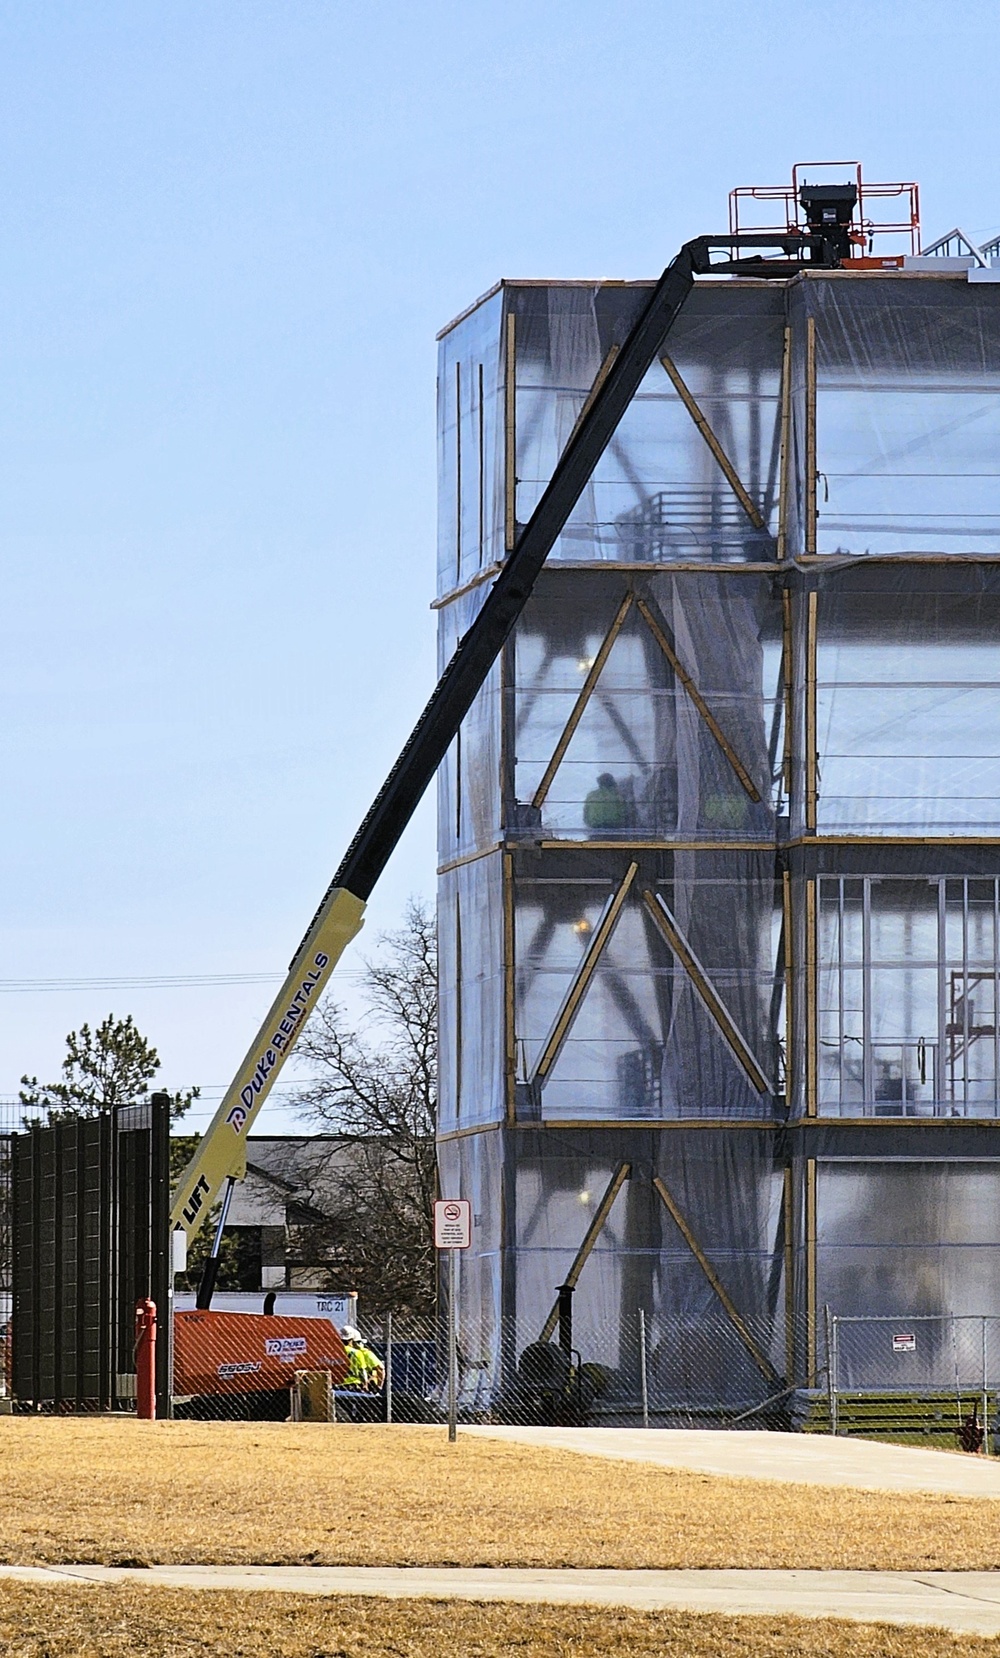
point(149, 981)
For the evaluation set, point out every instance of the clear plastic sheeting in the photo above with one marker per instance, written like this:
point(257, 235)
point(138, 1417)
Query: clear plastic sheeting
point(470, 446)
point(670, 688)
point(471, 1035)
point(544, 1190)
point(909, 996)
point(658, 1029)
point(657, 494)
point(719, 894)
point(907, 1236)
point(469, 780)
point(908, 701)
point(908, 422)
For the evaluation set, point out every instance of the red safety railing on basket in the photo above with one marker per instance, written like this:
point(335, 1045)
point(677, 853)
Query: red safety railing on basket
point(791, 217)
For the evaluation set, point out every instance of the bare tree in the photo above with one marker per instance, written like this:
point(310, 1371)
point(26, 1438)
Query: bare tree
point(375, 1086)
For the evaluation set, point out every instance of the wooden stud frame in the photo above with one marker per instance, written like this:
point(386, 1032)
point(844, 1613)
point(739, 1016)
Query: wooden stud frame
point(788, 1212)
point(585, 694)
point(709, 997)
point(509, 1031)
point(657, 567)
point(590, 683)
point(726, 466)
point(810, 988)
point(784, 464)
point(898, 840)
point(510, 435)
point(585, 972)
point(812, 476)
point(602, 375)
point(630, 567)
point(701, 705)
point(812, 764)
point(681, 845)
point(485, 574)
point(879, 1127)
point(760, 1359)
point(600, 1215)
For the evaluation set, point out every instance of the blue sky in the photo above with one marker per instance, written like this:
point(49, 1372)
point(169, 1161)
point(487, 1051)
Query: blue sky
point(228, 233)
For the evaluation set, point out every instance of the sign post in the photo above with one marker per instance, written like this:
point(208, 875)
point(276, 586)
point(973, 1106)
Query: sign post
point(452, 1232)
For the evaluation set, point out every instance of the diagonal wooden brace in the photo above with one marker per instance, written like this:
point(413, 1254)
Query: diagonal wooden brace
point(726, 466)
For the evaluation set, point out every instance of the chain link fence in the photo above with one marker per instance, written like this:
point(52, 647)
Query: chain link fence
point(238, 1366)
point(920, 1380)
point(925, 1380)
point(640, 1369)
point(913, 1379)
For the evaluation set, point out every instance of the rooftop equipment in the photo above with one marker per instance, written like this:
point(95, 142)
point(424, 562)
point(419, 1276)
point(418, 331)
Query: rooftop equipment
point(839, 209)
point(829, 211)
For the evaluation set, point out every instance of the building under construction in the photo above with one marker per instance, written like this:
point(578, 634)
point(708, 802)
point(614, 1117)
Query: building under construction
point(719, 911)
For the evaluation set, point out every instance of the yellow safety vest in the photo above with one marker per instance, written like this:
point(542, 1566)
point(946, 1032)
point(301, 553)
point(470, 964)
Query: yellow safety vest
point(361, 1363)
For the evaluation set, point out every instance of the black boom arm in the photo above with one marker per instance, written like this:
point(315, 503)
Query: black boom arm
point(452, 697)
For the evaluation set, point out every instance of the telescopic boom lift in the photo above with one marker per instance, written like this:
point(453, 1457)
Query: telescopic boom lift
point(220, 1158)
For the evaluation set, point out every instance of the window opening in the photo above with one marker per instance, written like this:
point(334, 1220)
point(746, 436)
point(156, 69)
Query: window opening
point(909, 996)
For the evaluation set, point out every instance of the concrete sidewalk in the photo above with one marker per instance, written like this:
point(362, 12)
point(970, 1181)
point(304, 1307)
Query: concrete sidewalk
point(965, 1602)
point(795, 1458)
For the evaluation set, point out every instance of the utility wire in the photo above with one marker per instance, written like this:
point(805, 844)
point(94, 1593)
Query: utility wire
point(149, 981)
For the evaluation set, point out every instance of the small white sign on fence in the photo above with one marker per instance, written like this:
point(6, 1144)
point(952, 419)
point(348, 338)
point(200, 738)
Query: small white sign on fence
point(453, 1223)
point(905, 1342)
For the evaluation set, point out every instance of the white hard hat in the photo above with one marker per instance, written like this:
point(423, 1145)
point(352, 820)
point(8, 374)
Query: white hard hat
point(349, 1333)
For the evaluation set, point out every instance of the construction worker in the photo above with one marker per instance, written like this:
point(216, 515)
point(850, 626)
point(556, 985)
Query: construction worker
point(727, 813)
point(604, 809)
point(365, 1370)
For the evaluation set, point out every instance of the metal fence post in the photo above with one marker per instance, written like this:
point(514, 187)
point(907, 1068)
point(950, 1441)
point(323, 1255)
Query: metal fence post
point(831, 1365)
point(986, 1398)
point(388, 1367)
point(642, 1368)
point(452, 1348)
point(958, 1384)
point(835, 1361)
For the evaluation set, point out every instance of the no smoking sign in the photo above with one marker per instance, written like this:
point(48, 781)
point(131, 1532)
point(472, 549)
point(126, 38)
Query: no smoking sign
point(453, 1223)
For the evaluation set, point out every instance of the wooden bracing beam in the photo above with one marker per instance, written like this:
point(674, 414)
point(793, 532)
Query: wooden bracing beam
point(659, 634)
point(584, 973)
point(709, 997)
point(760, 1359)
point(726, 466)
point(600, 1215)
point(585, 694)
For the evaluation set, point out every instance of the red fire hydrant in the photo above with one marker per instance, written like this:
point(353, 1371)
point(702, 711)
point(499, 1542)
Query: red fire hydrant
point(145, 1360)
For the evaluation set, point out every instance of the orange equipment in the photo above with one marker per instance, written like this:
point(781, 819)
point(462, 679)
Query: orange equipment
point(902, 225)
point(251, 1352)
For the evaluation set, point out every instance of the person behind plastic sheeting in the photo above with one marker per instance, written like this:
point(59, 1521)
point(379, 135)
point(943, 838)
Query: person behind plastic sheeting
point(604, 809)
point(365, 1370)
point(726, 812)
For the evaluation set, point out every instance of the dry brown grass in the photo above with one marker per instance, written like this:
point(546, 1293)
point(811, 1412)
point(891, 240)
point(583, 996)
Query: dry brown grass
point(129, 1622)
point(116, 1491)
